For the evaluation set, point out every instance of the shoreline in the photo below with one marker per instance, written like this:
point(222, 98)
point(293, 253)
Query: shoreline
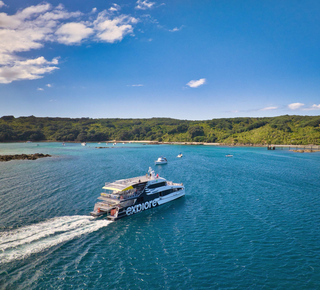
point(312, 147)
point(168, 143)
point(216, 144)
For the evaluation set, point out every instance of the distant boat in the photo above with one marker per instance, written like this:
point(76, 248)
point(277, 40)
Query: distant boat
point(63, 144)
point(229, 155)
point(84, 144)
point(180, 155)
point(161, 160)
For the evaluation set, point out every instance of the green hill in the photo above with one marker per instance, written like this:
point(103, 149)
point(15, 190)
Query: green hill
point(298, 130)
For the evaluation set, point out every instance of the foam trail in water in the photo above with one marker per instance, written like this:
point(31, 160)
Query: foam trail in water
point(22, 242)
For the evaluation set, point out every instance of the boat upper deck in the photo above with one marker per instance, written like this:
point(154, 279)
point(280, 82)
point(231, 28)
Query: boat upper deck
point(124, 184)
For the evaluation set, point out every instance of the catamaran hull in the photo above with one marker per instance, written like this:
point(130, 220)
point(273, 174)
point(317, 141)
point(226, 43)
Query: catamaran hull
point(171, 197)
point(130, 210)
point(97, 214)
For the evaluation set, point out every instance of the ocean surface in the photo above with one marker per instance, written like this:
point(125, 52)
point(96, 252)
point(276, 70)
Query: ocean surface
point(251, 221)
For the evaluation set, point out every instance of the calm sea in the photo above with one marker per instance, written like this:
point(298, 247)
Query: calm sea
point(251, 221)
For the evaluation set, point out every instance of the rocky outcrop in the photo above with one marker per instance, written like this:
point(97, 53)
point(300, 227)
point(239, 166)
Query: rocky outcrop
point(23, 156)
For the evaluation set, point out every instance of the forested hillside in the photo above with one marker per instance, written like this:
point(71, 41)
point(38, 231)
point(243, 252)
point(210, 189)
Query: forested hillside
point(300, 130)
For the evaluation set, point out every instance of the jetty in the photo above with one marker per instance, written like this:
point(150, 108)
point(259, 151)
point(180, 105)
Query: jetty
point(296, 148)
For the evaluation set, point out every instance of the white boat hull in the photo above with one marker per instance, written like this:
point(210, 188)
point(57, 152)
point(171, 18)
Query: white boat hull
point(171, 197)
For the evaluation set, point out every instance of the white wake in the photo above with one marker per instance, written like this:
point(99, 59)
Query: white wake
point(22, 242)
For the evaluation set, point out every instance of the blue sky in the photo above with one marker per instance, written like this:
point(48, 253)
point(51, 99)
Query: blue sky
point(194, 60)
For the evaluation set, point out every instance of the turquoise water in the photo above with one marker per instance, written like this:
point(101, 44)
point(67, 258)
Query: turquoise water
point(249, 221)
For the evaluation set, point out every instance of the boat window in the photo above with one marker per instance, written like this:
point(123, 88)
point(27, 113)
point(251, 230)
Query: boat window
point(159, 184)
point(166, 192)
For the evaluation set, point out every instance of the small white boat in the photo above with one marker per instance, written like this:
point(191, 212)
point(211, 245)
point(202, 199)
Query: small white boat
point(180, 155)
point(229, 155)
point(161, 160)
point(84, 144)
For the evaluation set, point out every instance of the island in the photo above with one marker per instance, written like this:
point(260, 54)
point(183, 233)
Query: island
point(293, 130)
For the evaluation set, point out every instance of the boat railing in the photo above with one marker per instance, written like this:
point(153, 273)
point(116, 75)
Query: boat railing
point(102, 206)
point(114, 197)
point(129, 194)
point(126, 182)
point(122, 196)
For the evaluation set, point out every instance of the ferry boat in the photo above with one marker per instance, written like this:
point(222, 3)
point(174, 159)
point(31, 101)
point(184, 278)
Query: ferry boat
point(126, 197)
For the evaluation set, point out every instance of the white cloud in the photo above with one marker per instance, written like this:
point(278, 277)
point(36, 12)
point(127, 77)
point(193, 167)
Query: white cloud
point(315, 107)
point(269, 108)
point(32, 27)
point(115, 7)
point(33, 11)
point(137, 85)
point(196, 83)
point(28, 29)
point(113, 29)
point(2, 4)
point(40, 89)
point(7, 21)
point(49, 85)
point(94, 10)
point(72, 33)
point(143, 5)
point(176, 29)
point(312, 108)
point(30, 69)
point(295, 106)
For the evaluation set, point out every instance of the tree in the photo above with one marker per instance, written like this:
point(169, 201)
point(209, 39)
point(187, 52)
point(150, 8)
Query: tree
point(196, 131)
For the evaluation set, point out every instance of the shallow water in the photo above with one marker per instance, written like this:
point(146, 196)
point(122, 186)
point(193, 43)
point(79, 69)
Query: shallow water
point(248, 221)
